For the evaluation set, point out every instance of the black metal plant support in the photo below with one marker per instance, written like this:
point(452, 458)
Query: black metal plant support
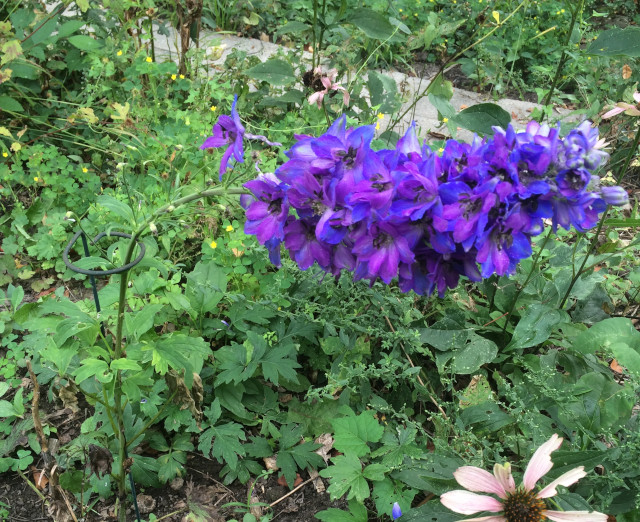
point(92, 279)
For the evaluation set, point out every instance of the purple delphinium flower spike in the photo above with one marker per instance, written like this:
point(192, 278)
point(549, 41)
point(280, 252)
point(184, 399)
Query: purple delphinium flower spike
point(424, 218)
point(228, 131)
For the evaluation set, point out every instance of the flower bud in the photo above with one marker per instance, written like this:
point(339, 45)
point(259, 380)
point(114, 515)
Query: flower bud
point(170, 208)
point(153, 228)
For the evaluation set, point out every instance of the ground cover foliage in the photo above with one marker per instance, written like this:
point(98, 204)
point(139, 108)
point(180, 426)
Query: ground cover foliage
point(205, 347)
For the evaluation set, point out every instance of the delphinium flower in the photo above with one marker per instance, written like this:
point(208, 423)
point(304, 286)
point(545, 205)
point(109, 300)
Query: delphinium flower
point(422, 217)
point(516, 504)
point(228, 131)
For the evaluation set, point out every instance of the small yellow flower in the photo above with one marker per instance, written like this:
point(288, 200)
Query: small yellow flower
point(399, 10)
point(380, 116)
point(174, 76)
point(213, 108)
point(119, 53)
point(229, 228)
point(36, 179)
point(377, 127)
point(562, 10)
point(213, 244)
point(5, 154)
point(440, 150)
point(415, 14)
point(85, 169)
point(445, 120)
point(187, 121)
point(182, 76)
point(588, 57)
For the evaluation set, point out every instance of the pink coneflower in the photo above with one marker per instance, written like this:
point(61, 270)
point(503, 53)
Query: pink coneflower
point(329, 84)
point(520, 504)
point(627, 108)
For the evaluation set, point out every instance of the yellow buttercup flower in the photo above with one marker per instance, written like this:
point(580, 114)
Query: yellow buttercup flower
point(5, 154)
point(213, 244)
point(119, 53)
point(182, 76)
point(440, 150)
point(174, 76)
point(445, 120)
point(229, 228)
point(85, 169)
point(36, 179)
point(149, 59)
point(213, 108)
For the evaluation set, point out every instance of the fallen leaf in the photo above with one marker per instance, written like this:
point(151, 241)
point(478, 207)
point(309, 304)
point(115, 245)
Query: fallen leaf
point(39, 478)
point(616, 367)
point(626, 72)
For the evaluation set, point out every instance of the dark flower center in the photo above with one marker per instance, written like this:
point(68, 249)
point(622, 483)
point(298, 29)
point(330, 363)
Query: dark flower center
point(350, 156)
point(523, 506)
point(575, 181)
point(275, 207)
point(382, 241)
point(472, 207)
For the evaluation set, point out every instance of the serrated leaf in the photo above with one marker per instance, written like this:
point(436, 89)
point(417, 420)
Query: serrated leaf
point(223, 443)
point(180, 352)
point(482, 117)
point(353, 432)
point(93, 368)
point(273, 71)
point(277, 362)
point(346, 478)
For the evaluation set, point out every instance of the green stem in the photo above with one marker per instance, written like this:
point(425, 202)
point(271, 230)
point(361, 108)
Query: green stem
point(526, 281)
point(563, 57)
point(152, 420)
point(117, 343)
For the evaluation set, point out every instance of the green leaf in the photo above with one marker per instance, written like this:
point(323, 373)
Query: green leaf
point(398, 444)
point(346, 477)
point(442, 104)
point(142, 321)
point(84, 42)
point(600, 403)
point(617, 42)
point(93, 368)
point(536, 326)
point(353, 432)
point(10, 105)
point(125, 364)
point(293, 28)
point(117, 207)
point(486, 416)
point(298, 457)
point(180, 352)
point(273, 71)
point(223, 443)
point(8, 410)
point(371, 23)
point(277, 361)
point(383, 91)
point(434, 474)
point(482, 117)
point(432, 511)
point(70, 27)
point(206, 285)
point(627, 357)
